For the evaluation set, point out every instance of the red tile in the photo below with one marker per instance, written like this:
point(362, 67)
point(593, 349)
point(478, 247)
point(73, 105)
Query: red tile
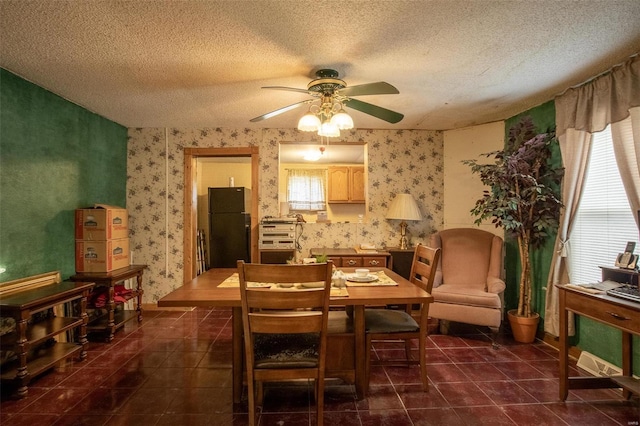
point(434, 416)
point(413, 397)
point(385, 417)
point(380, 398)
point(506, 392)
point(519, 370)
point(442, 373)
point(463, 394)
point(482, 372)
point(480, 416)
point(57, 401)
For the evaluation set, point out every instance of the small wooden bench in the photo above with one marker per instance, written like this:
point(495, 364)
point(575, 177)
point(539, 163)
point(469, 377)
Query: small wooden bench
point(37, 312)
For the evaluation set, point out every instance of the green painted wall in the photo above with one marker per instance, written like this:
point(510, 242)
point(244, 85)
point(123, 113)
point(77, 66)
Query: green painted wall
point(54, 157)
point(591, 336)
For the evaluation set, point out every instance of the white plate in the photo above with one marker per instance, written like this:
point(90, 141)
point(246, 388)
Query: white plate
point(318, 284)
point(285, 285)
point(357, 279)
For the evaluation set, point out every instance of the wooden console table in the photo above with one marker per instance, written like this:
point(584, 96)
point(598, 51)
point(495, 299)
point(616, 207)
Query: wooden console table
point(114, 319)
point(613, 311)
point(33, 342)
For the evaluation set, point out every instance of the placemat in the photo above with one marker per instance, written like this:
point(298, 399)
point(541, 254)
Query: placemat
point(383, 280)
point(234, 282)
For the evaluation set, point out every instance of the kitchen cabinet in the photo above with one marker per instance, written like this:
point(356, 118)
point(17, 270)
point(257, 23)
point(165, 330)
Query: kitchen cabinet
point(346, 184)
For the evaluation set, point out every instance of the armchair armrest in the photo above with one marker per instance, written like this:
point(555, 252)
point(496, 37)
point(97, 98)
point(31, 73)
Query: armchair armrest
point(495, 285)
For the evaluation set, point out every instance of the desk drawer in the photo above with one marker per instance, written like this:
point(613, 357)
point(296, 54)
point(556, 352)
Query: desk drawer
point(618, 316)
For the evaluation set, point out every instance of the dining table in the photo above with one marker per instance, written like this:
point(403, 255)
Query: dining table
point(217, 288)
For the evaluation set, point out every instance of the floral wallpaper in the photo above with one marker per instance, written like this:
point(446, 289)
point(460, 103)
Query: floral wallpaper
point(398, 160)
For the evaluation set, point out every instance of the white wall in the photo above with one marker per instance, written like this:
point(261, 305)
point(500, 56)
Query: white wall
point(461, 188)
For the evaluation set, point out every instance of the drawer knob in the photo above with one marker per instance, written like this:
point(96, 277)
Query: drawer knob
point(373, 262)
point(618, 316)
point(352, 262)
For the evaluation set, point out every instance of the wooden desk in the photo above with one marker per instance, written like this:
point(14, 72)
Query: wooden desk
point(114, 319)
point(619, 313)
point(203, 291)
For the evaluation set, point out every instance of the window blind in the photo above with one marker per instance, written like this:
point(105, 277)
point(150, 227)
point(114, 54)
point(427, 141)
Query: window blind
point(604, 221)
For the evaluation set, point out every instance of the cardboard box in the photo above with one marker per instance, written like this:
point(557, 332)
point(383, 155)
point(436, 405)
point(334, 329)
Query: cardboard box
point(103, 222)
point(102, 256)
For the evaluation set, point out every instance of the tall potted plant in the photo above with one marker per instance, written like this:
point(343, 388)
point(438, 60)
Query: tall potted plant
point(524, 200)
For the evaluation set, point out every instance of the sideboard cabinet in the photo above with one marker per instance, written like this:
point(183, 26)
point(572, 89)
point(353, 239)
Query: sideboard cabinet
point(40, 345)
point(351, 258)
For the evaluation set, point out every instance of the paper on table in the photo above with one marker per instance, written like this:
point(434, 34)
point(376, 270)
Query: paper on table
point(595, 288)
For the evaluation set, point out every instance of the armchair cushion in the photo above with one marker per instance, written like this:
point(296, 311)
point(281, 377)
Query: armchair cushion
point(389, 321)
point(461, 295)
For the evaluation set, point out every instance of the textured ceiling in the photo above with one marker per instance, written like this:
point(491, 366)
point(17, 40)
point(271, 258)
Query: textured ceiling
point(202, 63)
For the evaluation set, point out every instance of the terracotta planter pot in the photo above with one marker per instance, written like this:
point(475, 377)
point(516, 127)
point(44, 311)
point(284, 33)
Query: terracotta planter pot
point(523, 328)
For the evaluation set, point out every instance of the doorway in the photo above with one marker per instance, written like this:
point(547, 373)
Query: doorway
point(191, 155)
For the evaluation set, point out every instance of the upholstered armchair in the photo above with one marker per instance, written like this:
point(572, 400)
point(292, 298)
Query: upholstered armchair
point(468, 286)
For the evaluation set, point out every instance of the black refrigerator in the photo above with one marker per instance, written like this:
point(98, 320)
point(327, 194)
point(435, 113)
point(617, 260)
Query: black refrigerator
point(229, 226)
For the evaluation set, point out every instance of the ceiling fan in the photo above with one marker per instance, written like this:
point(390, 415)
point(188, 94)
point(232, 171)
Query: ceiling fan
point(329, 95)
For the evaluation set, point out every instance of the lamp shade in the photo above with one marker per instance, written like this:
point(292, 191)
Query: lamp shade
point(342, 120)
point(404, 207)
point(309, 123)
point(329, 130)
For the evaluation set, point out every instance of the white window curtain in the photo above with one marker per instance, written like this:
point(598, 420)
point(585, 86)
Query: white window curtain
point(612, 98)
point(306, 189)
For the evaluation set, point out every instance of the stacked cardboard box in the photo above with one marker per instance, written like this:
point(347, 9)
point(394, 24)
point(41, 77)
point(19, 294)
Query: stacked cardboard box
point(102, 238)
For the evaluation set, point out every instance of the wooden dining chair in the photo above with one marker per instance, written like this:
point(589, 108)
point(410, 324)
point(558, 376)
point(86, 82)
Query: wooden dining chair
point(399, 325)
point(285, 328)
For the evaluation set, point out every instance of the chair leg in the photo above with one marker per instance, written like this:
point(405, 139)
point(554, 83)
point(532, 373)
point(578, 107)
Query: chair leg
point(494, 335)
point(367, 361)
point(252, 403)
point(422, 353)
point(407, 350)
point(260, 392)
point(319, 401)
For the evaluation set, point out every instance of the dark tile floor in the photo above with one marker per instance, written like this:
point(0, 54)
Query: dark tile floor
point(175, 369)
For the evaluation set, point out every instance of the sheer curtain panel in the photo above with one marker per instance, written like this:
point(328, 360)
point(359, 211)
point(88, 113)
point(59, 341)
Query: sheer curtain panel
point(611, 98)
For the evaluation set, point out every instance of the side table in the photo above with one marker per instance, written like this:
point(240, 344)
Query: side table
point(31, 341)
point(114, 319)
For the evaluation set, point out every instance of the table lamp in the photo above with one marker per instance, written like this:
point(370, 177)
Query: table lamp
point(404, 207)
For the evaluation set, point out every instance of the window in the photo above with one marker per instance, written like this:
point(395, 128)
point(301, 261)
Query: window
point(305, 189)
point(604, 221)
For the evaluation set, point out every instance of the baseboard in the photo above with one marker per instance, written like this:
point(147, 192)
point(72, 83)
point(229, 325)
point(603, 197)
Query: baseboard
point(154, 307)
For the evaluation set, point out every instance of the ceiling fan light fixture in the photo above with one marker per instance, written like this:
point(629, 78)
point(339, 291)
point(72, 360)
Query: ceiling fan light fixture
point(342, 120)
point(329, 130)
point(309, 123)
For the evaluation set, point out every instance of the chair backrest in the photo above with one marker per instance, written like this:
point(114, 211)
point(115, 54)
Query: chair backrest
point(424, 267)
point(287, 310)
point(469, 256)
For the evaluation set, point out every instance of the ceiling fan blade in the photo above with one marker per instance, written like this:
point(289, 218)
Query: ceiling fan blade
point(379, 88)
point(376, 111)
point(288, 89)
point(279, 111)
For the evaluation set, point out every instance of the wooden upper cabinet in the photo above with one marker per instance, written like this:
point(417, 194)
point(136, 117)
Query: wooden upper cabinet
point(346, 184)
point(357, 184)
